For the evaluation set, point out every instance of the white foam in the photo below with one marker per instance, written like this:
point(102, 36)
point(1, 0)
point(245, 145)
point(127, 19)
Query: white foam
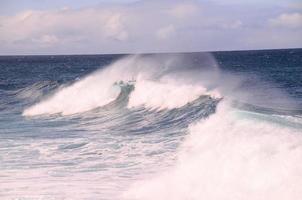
point(162, 95)
point(97, 89)
point(91, 92)
point(229, 157)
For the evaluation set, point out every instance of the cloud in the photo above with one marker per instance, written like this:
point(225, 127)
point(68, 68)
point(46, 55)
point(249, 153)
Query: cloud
point(183, 10)
point(290, 20)
point(232, 25)
point(296, 5)
point(37, 28)
point(147, 26)
point(114, 28)
point(165, 32)
point(47, 40)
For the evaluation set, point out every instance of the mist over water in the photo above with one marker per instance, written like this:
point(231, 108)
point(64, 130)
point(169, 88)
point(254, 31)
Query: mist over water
point(163, 126)
point(230, 155)
point(159, 74)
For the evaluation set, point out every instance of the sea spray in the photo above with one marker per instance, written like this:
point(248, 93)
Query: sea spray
point(183, 149)
point(230, 157)
point(99, 88)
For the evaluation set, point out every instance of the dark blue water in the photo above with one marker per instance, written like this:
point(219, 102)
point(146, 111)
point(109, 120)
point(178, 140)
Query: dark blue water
point(88, 127)
point(280, 67)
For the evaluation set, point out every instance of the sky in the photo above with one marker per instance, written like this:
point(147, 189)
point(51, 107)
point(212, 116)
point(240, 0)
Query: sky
point(142, 26)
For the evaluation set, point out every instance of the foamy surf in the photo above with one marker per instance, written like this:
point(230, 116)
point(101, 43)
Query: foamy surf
point(151, 127)
point(157, 85)
point(228, 156)
point(161, 95)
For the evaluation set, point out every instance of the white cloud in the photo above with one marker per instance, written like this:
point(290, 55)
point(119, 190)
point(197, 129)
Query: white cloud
point(183, 10)
point(291, 20)
point(296, 5)
point(47, 40)
point(114, 28)
point(233, 25)
point(156, 26)
point(165, 32)
point(46, 27)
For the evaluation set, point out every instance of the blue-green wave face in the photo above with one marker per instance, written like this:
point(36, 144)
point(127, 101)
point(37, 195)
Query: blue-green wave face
point(222, 125)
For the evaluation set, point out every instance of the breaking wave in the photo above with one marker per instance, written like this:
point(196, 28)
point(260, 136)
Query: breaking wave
point(233, 150)
point(157, 85)
point(231, 155)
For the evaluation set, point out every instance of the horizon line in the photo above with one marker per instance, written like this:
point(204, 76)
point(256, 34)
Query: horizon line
point(145, 53)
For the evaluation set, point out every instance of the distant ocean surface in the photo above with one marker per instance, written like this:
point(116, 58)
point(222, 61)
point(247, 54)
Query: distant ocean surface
point(222, 125)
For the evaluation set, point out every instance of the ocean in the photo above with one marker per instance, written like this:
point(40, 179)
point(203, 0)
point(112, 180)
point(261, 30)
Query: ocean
point(221, 125)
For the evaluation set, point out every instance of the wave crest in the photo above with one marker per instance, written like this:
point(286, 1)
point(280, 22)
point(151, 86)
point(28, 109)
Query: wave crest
point(151, 90)
point(163, 95)
point(229, 156)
